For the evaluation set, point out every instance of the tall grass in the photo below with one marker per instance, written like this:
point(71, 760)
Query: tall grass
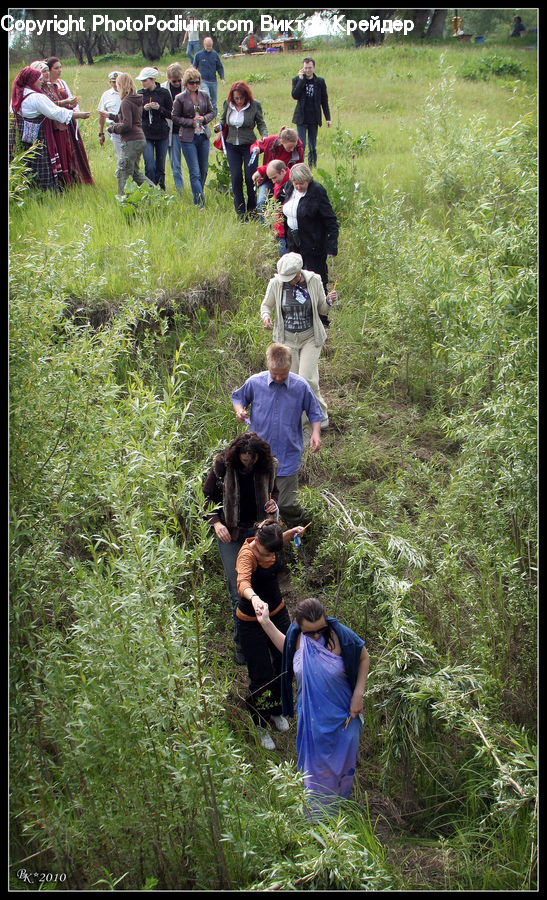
point(132, 763)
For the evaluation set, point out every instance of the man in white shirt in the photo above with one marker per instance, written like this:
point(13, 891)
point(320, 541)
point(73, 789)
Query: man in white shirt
point(110, 104)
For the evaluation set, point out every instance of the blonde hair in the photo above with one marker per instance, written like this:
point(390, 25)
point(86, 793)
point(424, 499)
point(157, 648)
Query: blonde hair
point(173, 70)
point(191, 74)
point(278, 356)
point(125, 85)
point(300, 172)
point(287, 134)
point(40, 65)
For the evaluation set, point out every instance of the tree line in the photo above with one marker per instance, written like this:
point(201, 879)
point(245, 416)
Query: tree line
point(91, 42)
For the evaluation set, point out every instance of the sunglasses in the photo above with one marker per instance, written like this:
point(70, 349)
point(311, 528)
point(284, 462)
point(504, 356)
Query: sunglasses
point(192, 82)
point(321, 631)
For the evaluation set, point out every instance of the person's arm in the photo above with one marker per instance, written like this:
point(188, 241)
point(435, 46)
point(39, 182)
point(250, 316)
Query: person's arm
point(210, 113)
point(220, 69)
point(325, 103)
point(245, 567)
point(276, 636)
point(267, 306)
point(102, 119)
point(166, 104)
point(330, 222)
point(259, 121)
point(315, 439)
point(356, 703)
point(177, 114)
point(298, 86)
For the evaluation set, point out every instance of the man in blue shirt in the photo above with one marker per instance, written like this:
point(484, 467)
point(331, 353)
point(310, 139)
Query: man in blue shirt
point(276, 399)
point(207, 62)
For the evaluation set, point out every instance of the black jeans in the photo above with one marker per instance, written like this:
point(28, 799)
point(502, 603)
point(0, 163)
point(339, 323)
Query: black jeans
point(238, 160)
point(264, 667)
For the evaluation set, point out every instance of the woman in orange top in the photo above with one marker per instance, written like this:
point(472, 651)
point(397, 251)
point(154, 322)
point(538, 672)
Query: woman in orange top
point(257, 570)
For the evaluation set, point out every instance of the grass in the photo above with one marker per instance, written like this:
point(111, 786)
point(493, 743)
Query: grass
point(113, 428)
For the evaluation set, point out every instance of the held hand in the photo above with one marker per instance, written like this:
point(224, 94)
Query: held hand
point(80, 115)
point(332, 297)
point(328, 123)
point(258, 605)
point(263, 614)
point(256, 178)
point(270, 507)
point(292, 532)
point(222, 533)
point(101, 139)
point(241, 413)
point(267, 322)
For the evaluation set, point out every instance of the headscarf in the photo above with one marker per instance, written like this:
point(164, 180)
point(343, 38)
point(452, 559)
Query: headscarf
point(27, 78)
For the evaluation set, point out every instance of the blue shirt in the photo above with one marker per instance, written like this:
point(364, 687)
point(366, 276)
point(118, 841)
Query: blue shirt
point(276, 414)
point(208, 63)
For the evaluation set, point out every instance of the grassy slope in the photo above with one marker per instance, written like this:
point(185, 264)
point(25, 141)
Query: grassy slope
point(382, 91)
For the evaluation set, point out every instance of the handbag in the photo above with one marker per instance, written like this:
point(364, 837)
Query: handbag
point(219, 141)
point(31, 130)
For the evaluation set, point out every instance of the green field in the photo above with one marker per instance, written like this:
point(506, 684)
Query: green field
point(133, 762)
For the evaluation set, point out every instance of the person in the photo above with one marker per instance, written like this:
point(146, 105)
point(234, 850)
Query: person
point(286, 146)
point(110, 103)
point(278, 173)
point(311, 95)
point(240, 487)
point(157, 106)
point(331, 665)
point(277, 398)
point(192, 36)
point(78, 169)
point(311, 226)
point(192, 112)
point(128, 124)
point(518, 27)
point(33, 115)
point(250, 43)
point(207, 62)
point(242, 114)
point(257, 567)
point(298, 298)
point(173, 84)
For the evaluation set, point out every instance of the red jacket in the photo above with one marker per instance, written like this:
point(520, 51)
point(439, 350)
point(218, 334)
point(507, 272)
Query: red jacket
point(266, 146)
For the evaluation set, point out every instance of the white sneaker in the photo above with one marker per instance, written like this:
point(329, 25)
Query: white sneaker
point(280, 723)
point(265, 739)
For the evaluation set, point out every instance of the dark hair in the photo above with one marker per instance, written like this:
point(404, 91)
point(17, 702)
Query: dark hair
point(270, 534)
point(309, 59)
point(51, 60)
point(311, 609)
point(243, 88)
point(249, 442)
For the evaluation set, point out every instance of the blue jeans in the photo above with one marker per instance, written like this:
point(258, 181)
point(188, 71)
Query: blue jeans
point(311, 131)
point(154, 160)
point(228, 554)
point(213, 93)
point(238, 160)
point(174, 159)
point(282, 244)
point(196, 154)
point(192, 49)
point(265, 191)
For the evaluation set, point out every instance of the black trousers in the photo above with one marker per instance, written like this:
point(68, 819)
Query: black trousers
point(264, 667)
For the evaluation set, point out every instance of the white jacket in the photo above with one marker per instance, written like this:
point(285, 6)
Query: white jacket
point(274, 295)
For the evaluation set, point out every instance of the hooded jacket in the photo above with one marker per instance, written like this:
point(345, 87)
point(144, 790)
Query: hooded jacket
point(129, 119)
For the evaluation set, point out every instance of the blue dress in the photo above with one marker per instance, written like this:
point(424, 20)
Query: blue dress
point(327, 747)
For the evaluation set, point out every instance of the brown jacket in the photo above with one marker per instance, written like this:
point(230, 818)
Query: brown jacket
point(129, 119)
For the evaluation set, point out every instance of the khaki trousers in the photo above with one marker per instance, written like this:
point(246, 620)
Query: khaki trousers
point(305, 361)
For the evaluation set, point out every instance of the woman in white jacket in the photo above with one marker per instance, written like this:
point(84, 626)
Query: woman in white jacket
point(299, 300)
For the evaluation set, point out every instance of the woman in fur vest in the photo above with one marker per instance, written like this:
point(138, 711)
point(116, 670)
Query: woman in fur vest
point(240, 488)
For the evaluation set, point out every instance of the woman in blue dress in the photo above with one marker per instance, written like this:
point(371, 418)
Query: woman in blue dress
point(331, 665)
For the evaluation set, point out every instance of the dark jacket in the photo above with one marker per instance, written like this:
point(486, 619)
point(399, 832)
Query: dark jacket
point(350, 645)
point(128, 120)
point(184, 112)
point(154, 121)
point(317, 222)
point(208, 63)
point(252, 118)
point(320, 101)
point(221, 488)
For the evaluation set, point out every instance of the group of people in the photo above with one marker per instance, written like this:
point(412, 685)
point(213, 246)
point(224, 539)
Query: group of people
point(45, 115)
point(253, 483)
point(251, 486)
